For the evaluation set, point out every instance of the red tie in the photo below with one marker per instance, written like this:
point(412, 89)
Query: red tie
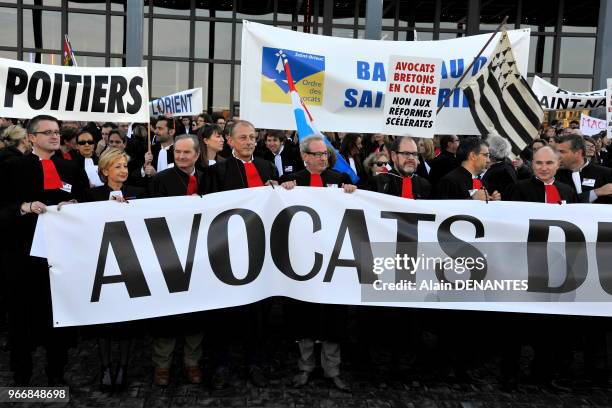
point(316, 180)
point(407, 188)
point(476, 184)
point(552, 194)
point(253, 179)
point(192, 186)
point(51, 178)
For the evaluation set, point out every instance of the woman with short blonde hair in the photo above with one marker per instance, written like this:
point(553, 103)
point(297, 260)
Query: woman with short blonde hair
point(16, 142)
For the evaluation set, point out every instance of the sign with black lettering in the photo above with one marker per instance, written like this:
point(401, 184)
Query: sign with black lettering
point(411, 96)
point(184, 103)
point(167, 256)
point(71, 93)
point(552, 97)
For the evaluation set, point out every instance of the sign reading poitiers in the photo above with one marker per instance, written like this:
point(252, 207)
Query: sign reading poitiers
point(71, 93)
point(411, 96)
point(182, 103)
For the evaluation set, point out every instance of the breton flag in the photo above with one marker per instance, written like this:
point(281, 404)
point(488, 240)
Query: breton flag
point(305, 123)
point(68, 56)
point(501, 101)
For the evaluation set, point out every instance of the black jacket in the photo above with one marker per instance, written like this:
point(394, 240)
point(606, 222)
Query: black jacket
point(598, 174)
point(441, 165)
point(391, 183)
point(231, 175)
point(173, 182)
point(290, 156)
point(329, 176)
point(102, 193)
point(456, 185)
point(499, 177)
point(532, 190)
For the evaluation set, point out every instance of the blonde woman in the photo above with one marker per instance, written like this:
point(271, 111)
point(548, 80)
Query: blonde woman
point(16, 142)
point(376, 163)
point(113, 171)
point(427, 153)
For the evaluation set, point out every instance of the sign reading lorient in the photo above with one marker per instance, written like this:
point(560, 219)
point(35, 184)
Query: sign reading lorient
point(411, 96)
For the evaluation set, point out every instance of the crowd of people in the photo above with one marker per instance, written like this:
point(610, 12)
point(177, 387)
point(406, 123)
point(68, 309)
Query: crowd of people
point(46, 162)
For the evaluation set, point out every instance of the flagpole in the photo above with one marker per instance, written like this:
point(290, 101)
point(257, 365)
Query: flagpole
point(471, 64)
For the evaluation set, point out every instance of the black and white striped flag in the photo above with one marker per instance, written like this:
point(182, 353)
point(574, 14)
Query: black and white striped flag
point(501, 100)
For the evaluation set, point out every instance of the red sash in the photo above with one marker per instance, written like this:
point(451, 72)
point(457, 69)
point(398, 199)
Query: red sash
point(253, 178)
point(67, 156)
point(316, 180)
point(476, 184)
point(192, 186)
point(51, 177)
point(552, 194)
point(407, 188)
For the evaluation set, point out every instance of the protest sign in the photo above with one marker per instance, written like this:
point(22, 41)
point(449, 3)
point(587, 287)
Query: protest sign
point(177, 255)
point(184, 103)
point(343, 81)
point(590, 126)
point(71, 93)
point(411, 96)
point(552, 97)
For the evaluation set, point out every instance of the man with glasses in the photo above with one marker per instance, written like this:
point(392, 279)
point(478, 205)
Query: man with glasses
point(30, 184)
point(464, 182)
point(446, 161)
point(402, 180)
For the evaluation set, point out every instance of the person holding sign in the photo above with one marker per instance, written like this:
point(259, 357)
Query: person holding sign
point(402, 181)
point(464, 182)
point(30, 184)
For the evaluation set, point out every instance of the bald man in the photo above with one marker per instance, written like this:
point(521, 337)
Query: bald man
point(543, 187)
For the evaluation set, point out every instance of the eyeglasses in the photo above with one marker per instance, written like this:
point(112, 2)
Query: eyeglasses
point(485, 154)
point(49, 133)
point(380, 164)
point(84, 142)
point(318, 155)
point(408, 154)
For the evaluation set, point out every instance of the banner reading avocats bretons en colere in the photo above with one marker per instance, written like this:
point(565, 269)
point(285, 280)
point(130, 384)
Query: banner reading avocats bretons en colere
point(344, 81)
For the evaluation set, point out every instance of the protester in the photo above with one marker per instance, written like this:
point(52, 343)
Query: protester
point(376, 163)
point(285, 157)
point(501, 174)
point(86, 156)
point(464, 182)
point(30, 184)
point(402, 180)
point(351, 149)
point(182, 179)
point(16, 142)
point(212, 145)
point(427, 154)
point(446, 161)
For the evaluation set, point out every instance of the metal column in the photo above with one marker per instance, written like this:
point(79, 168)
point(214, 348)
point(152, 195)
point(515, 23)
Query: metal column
point(133, 33)
point(373, 23)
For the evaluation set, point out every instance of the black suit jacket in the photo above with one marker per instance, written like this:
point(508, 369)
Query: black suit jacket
point(22, 181)
point(292, 161)
point(456, 185)
point(231, 175)
point(391, 183)
point(173, 182)
point(532, 190)
point(329, 176)
point(499, 177)
point(441, 165)
point(601, 176)
point(102, 193)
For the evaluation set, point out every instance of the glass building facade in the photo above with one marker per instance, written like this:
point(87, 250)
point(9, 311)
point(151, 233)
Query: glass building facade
point(196, 43)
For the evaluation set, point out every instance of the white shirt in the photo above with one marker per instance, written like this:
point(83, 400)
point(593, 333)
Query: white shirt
point(162, 159)
point(578, 183)
point(352, 164)
point(92, 173)
point(278, 161)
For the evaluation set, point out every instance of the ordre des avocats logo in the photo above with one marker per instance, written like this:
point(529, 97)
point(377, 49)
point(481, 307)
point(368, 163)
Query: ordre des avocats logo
point(308, 71)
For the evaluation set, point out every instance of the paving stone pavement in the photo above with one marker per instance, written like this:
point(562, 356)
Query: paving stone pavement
point(414, 389)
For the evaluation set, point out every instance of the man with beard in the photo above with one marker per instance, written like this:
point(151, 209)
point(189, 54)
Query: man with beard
point(591, 182)
point(464, 182)
point(402, 181)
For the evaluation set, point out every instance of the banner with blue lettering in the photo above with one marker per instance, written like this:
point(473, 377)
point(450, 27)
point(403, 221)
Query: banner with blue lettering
point(184, 103)
point(344, 81)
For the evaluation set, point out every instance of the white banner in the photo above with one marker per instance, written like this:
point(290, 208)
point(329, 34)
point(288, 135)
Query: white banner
point(590, 126)
point(343, 81)
point(71, 93)
point(609, 106)
point(184, 103)
point(552, 97)
point(182, 254)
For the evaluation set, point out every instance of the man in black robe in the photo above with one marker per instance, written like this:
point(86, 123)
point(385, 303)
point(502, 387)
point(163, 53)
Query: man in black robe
point(30, 184)
point(446, 161)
